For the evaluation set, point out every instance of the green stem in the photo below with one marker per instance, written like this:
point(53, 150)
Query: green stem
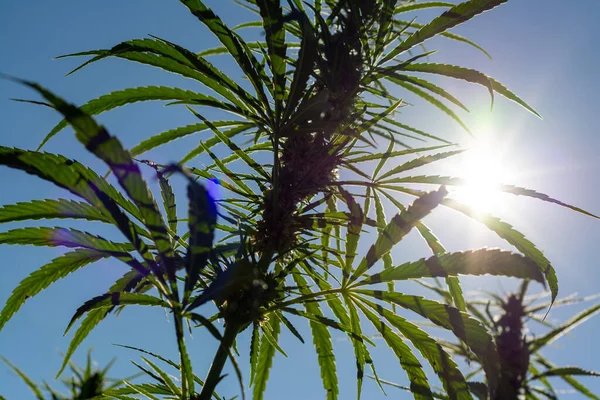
point(187, 377)
point(302, 298)
point(275, 178)
point(214, 374)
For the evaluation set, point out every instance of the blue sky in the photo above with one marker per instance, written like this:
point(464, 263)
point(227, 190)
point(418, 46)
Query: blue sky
point(543, 51)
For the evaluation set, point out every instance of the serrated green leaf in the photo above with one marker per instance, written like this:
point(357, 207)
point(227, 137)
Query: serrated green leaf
point(478, 262)
point(272, 17)
point(419, 162)
point(414, 130)
point(360, 350)
point(325, 320)
point(211, 142)
point(378, 117)
point(45, 276)
point(172, 134)
point(202, 220)
point(290, 327)
point(565, 371)
point(92, 319)
point(113, 299)
point(67, 174)
point(514, 237)
point(234, 147)
point(234, 44)
point(167, 361)
point(254, 350)
point(172, 58)
point(44, 236)
point(516, 190)
point(574, 383)
point(419, 384)
point(322, 342)
point(266, 354)
point(412, 6)
point(472, 76)
point(448, 35)
point(461, 324)
point(145, 93)
point(559, 331)
point(392, 154)
point(441, 362)
point(435, 395)
point(304, 65)
point(427, 97)
point(353, 232)
point(398, 227)
point(168, 198)
point(387, 258)
point(450, 18)
point(108, 148)
point(237, 179)
point(153, 388)
point(142, 390)
point(386, 17)
point(49, 208)
point(36, 391)
point(166, 379)
point(422, 83)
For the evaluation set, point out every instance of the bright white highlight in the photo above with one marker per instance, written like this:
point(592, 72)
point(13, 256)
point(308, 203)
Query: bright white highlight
point(485, 168)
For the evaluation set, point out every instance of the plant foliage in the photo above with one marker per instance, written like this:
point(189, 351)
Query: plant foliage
point(282, 244)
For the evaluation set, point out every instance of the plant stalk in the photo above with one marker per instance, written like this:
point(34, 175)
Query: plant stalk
point(184, 360)
point(214, 374)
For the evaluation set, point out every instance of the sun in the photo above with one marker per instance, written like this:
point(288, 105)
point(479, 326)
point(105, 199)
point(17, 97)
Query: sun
point(484, 167)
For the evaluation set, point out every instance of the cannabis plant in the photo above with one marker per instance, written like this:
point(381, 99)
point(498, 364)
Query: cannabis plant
point(310, 118)
point(84, 383)
point(514, 321)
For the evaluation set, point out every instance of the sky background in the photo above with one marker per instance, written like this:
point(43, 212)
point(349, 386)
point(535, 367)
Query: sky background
point(543, 50)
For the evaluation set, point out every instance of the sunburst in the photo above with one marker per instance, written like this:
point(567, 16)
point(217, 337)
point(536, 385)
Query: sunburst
point(484, 167)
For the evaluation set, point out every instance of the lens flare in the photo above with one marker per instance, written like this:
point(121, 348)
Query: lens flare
point(485, 167)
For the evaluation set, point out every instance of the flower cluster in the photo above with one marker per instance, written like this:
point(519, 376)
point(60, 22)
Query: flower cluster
point(311, 153)
point(512, 348)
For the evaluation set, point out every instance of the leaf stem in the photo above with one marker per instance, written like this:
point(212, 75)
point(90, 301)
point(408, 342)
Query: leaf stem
point(185, 367)
point(214, 374)
point(308, 297)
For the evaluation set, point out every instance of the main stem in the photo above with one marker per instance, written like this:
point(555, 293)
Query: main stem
point(214, 374)
point(183, 357)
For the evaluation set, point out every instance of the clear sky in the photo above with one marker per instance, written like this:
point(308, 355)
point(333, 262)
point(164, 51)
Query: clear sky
point(545, 51)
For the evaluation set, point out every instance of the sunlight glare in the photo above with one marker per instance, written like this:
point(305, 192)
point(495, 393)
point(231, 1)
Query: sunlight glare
point(484, 168)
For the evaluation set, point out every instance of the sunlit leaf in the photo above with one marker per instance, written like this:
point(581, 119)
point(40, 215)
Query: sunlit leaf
point(441, 362)
point(398, 227)
point(353, 232)
point(419, 384)
point(450, 18)
point(478, 262)
point(322, 342)
point(473, 76)
point(461, 324)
